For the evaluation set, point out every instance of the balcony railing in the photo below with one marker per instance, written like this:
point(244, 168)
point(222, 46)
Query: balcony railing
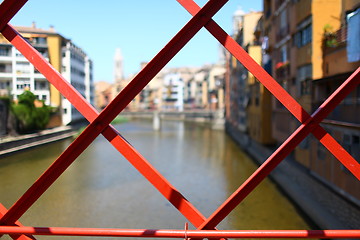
point(282, 33)
point(334, 40)
point(282, 70)
point(344, 112)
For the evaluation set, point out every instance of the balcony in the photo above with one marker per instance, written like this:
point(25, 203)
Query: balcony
point(334, 41)
point(344, 112)
point(282, 33)
point(282, 70)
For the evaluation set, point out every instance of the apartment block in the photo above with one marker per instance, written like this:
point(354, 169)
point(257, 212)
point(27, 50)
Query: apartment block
point(259, 108)
point(340, 60)
point(241, 84)
point(308, 48)
point(18, 74)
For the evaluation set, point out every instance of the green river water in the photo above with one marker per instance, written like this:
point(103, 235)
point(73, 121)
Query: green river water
point(101, 189)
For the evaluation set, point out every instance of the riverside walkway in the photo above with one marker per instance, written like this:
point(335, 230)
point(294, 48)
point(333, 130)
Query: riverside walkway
point(13, 144)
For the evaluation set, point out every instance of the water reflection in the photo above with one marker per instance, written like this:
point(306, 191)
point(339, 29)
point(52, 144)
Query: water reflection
point(101, 189)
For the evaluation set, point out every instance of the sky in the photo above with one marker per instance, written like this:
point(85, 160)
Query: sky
point(140, 28)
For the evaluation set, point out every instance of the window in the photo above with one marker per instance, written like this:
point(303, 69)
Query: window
point(5, 51)
point(43, 52)
point(321, 152)
point(21, 86)
point(283, 19)
point(41, 85)
point(305, 144)
point(23, 67)
point(351, 143)
point(267, 8)
point(23, 83)
point(303, 36)
point(4, 85)
point(39, 40)
point(18, 54)
point(283, 51)
point(304, 76)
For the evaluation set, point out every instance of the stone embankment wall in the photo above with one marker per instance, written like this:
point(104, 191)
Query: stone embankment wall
point(12, 144)
point(324, 207)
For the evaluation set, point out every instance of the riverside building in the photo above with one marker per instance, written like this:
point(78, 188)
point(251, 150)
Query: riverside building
point(18, 74)
point(310, 47)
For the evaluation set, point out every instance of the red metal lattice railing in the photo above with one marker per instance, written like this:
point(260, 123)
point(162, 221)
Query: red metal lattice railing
point(100, 124)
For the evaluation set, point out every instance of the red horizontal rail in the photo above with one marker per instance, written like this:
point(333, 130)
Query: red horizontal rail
point(3, 210)
point(170, 233)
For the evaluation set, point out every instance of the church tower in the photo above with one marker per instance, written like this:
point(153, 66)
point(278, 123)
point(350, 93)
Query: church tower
point(118, 66)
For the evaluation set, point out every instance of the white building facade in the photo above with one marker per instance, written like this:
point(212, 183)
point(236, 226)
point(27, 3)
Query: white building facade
point(77, 70)
point(173, 92)
point(17, 75)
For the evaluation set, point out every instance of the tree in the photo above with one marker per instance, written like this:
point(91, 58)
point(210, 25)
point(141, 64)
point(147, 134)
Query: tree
point(29, 117)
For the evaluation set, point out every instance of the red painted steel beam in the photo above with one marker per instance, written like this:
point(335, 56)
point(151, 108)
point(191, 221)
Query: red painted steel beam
point(111, 134)
point(184, 234)
point(14, 236)
point(8, 9)
point(111, 111)
point(284, 97)
point(274, 87)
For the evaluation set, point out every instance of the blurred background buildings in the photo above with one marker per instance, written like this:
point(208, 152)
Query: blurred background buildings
point(308, 47)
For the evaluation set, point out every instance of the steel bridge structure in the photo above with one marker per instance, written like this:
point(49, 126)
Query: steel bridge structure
point(100, 124)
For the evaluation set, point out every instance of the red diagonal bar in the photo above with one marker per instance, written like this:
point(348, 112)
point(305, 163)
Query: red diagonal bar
point(8, 9)
point(15, 236)
point(286, 99)
point(111, 134)
point(288, 146)
point(112, 110)
point(274, 87)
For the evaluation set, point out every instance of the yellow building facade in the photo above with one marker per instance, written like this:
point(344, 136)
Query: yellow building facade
point(259, 109)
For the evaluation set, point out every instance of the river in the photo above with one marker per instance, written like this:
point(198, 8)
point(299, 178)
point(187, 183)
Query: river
point(101, 189)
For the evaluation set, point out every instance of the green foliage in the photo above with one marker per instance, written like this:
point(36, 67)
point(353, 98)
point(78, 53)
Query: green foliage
point(6, 100)
point(27, 98)
point(30, 118)
point(329, 36)
point(119, 119)
point(328, 28)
